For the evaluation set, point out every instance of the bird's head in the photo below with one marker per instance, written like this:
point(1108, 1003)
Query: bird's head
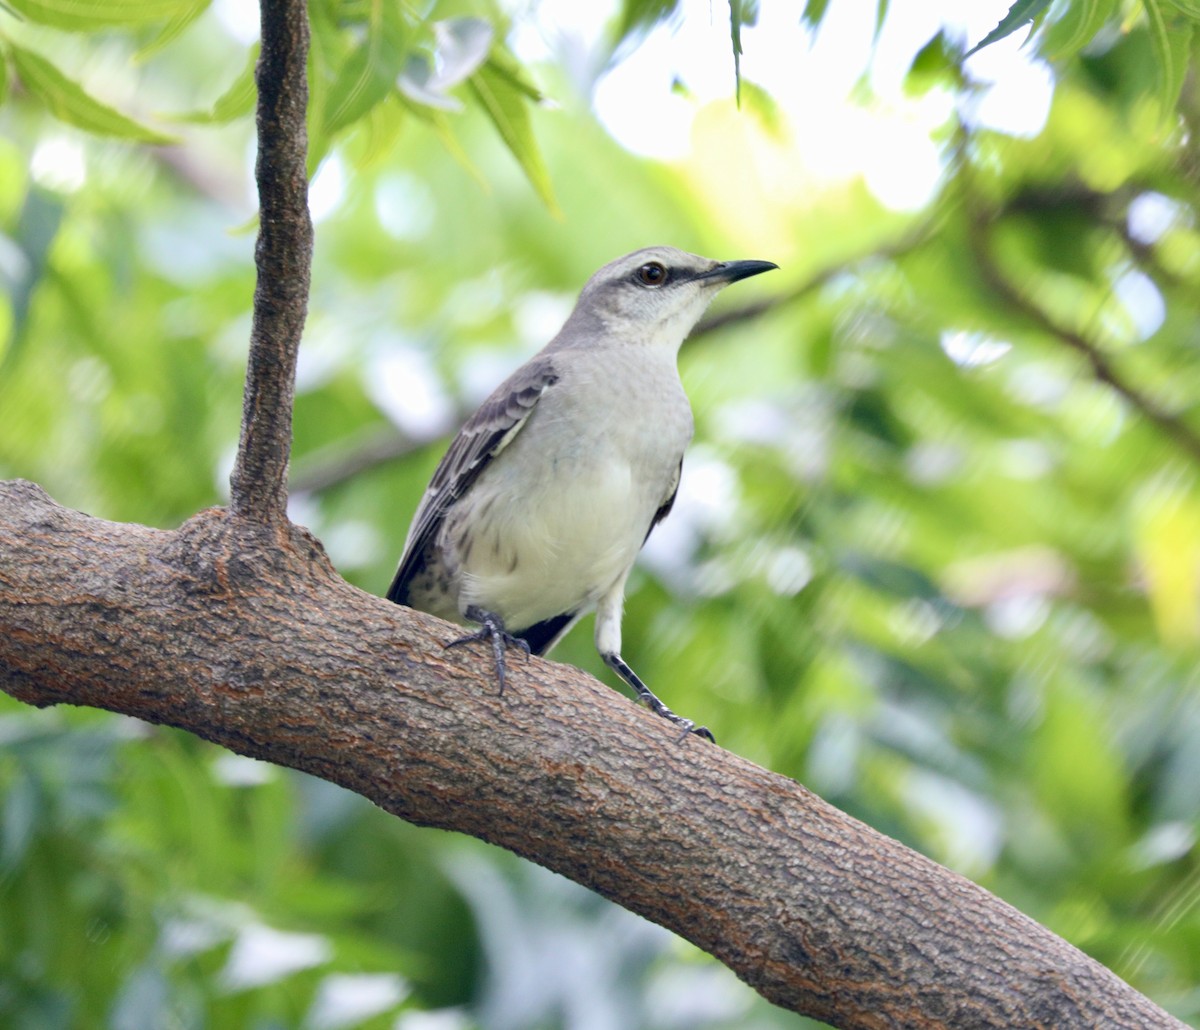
point(656, 295)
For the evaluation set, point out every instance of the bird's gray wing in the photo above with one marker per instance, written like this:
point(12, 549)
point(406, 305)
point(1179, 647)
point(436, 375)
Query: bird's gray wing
point(486, 433)
point(664, 509)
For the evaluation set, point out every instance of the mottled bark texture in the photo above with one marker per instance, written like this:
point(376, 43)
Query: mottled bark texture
point(241, 632)
point(283, 257)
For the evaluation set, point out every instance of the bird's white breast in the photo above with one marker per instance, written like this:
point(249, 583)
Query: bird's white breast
point(553, 541)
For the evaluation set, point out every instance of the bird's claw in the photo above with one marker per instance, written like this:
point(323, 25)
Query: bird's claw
point(689, 728)
point(491, 628)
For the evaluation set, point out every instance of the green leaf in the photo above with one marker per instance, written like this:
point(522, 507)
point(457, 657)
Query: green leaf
point(814, 12)
point(503, 63)
point(1021, 13)
point(505, 106)
point(760, 103)
point(936, 63)
point(741, 12)
point(382, 127)
point(360, 84)
point(1171, 37)
point(639, 16)
point(68, 101)
point(366, 76)
point(88, 15)
point(881, 10)
point(170, 32)
point(439, 122)
point(1076, 28)
point(1189, 7)
point(237, 100)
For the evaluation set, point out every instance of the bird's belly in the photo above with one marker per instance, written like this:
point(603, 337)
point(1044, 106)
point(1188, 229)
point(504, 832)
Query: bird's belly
point(555, 545)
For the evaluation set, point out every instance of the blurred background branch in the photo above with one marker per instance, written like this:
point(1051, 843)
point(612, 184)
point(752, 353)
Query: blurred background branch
point(1007, 292)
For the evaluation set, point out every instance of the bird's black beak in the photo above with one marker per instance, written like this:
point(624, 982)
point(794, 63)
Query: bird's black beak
point(732, 271)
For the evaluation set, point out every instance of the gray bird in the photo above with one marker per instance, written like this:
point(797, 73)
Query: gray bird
point(539, 508)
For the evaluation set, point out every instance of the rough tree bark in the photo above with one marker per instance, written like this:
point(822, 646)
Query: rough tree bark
point(236, 628)
point(283, 256)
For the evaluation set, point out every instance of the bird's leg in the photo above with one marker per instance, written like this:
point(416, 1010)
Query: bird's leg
point(491, 627)
point(646, 696)
point(608, 643)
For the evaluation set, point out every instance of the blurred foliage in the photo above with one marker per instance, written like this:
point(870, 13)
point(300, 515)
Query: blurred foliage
point(936, 554)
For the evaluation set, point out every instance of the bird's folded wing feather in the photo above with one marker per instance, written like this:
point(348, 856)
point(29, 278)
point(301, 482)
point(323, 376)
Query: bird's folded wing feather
point(486, 433)
point(664, 509)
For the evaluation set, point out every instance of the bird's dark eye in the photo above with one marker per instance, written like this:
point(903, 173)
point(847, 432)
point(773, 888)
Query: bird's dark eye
point(652, 274)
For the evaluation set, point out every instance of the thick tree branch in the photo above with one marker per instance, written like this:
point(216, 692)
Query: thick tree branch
point(244, 635)
point(258, 486)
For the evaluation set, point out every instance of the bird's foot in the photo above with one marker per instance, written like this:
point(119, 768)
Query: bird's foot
point(647, 697)
point(687, 725)
point(491, 628)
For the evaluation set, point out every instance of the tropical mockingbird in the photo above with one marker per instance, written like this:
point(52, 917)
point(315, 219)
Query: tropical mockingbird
point(539, 508)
